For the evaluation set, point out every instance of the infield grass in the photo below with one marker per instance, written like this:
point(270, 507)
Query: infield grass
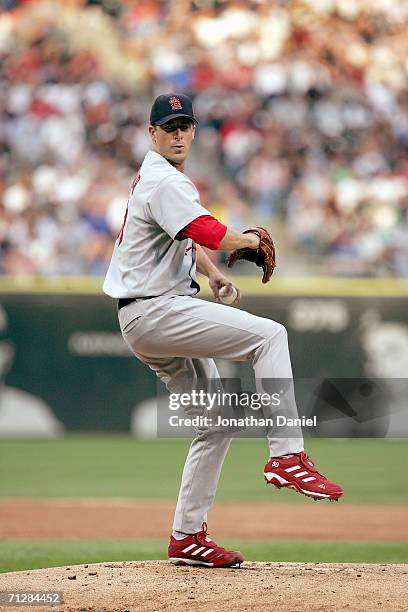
point(371, 471)
point(33, 554)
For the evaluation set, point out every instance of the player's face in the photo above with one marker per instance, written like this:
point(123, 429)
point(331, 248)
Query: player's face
point(173, 139)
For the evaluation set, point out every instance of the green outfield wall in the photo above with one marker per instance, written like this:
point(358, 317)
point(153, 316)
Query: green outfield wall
point(60, 342)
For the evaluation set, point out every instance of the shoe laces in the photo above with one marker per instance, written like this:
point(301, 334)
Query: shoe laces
point(203, 537)
point(308, 463)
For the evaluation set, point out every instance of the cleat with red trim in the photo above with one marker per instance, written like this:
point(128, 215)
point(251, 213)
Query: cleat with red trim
point(299, 472)
point(199, 549)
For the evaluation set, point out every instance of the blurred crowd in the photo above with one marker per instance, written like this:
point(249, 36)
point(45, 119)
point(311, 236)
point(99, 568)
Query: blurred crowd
point(303, 124)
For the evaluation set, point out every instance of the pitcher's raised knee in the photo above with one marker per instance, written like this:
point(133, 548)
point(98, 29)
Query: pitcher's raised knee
point(272, 330)
point(273, 350)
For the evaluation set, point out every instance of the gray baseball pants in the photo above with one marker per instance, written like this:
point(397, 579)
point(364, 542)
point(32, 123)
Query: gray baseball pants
point(178, 337)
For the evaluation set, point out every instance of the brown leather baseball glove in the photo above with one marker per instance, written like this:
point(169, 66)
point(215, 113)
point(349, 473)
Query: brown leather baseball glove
point(263, 256)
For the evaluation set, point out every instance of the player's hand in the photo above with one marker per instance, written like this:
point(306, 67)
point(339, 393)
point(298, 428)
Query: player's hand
point(216, 281)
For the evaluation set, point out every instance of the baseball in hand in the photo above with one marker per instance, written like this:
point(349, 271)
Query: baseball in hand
point(227, 294)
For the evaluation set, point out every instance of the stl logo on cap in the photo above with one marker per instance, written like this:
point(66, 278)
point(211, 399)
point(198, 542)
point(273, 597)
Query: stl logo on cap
point(175, 103)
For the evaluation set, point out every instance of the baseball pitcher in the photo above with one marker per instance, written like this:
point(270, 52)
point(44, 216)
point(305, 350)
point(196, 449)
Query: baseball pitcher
point(152, 274)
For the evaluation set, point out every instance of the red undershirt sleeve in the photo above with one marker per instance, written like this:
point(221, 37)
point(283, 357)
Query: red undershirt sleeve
point(206, 231)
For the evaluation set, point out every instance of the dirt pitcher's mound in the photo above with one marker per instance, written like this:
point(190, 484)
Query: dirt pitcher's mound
point(158, 585)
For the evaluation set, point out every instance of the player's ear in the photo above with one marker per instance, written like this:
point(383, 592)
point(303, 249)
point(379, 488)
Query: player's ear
point(152, 132)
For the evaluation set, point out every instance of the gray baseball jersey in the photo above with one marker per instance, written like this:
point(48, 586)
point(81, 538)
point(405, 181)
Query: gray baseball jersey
point(147, 260)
